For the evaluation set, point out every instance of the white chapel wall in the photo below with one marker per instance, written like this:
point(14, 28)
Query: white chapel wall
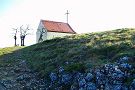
point(51, 35)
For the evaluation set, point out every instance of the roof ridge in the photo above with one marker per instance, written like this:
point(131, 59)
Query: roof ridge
point(53, 21)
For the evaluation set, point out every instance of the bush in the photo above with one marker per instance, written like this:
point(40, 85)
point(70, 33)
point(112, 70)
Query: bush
point(75, 67)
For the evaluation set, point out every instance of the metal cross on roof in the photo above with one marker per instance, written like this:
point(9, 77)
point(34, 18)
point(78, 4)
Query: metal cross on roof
point(67, 15)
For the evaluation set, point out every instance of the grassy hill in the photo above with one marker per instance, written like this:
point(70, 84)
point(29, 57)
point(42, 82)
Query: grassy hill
point(77, 52)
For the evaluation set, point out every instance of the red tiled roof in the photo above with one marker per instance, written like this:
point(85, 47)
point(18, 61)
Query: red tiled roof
point(53, 26)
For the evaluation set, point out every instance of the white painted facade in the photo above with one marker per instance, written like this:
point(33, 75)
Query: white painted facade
point(51, 35)
point(48, 35)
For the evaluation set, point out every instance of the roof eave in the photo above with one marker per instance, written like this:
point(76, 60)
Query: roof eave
point(63, 32)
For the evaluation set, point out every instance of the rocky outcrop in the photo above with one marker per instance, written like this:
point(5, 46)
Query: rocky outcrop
point(117, 76)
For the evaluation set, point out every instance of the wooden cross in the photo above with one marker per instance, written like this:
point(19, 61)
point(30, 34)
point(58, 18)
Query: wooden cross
point(67, 15)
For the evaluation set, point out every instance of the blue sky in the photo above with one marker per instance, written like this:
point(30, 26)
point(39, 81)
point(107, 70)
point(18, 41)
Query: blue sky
point(6, 4)
point(85, 16)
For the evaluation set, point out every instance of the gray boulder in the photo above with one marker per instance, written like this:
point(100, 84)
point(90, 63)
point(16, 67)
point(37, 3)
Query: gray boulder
point(82, 82)
point(53, 76)
point(91, 86)
point(65, 78)
point(89, 77)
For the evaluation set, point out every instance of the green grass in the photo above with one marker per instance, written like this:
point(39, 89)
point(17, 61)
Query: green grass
point(8, 50)
point(82, 51)
point(9, 55)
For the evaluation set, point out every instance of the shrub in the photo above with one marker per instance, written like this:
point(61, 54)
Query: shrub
point(75, 67)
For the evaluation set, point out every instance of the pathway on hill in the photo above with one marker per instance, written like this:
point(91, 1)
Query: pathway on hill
point(18, 76)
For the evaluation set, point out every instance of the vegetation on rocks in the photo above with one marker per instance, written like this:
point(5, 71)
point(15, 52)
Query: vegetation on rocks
point(80, 52)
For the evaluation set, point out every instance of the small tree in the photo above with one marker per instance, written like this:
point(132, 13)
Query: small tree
point(15, 35)
point(23, 33)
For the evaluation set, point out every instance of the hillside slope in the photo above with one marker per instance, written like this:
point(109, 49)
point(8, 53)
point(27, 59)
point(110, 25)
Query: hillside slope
point(78, 53)
point(91, 50)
